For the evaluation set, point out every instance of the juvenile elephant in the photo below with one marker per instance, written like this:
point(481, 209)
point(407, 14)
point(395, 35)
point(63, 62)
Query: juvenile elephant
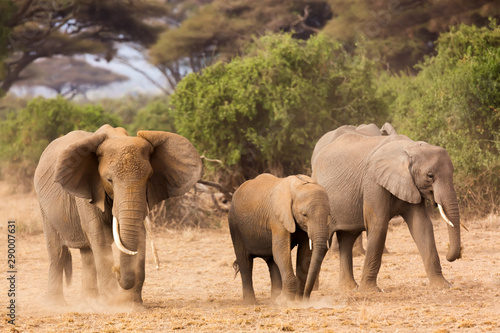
point(268, 217)
point(94, 188)
point(369, 180)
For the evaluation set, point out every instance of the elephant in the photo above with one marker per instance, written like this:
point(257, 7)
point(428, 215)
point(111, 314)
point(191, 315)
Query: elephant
point(96, 188)
point(369, 180)
point(364, 129)
point(268, 217)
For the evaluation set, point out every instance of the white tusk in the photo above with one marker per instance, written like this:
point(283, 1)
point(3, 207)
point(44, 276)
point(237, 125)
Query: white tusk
point(118, 242)
point(147, 224)
point(327, 244)
point(310, 244)
point(444, 216)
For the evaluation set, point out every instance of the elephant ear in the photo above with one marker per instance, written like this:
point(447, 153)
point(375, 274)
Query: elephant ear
point(77, 170)
point(176, 165)
point(387, 129)
point(281, 201)
point(390, 166)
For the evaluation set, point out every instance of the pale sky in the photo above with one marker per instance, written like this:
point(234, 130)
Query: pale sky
point(137, 82)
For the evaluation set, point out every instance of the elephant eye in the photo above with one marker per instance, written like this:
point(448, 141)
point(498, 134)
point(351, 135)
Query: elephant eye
point(109, 180)
point(430, 176)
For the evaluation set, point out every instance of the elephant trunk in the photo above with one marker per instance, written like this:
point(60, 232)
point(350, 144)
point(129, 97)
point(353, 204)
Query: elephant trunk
point(319, 249)
point(131, 227)
point(450, 209)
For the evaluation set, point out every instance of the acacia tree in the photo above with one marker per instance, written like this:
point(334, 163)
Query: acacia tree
point(402, 32)
point(220, 29)
point(67, 76)
point(265, 111)
point(39, 29)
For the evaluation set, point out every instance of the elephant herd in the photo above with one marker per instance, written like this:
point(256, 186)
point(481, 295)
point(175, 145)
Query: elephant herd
point(97, 188)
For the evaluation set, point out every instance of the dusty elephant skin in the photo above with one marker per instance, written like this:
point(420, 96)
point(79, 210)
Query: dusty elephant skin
point(87, 182)
point(268, 217)
point(369, 180)
point(364, 129)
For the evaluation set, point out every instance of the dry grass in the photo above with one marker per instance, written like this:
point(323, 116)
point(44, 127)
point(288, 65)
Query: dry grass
point(21, 207)
point(195, 290)
point(489, 222)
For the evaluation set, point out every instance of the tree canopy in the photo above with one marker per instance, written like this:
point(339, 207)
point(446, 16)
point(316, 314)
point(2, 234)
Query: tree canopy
point(401, 32)
point(221, 29)
point(67, 76)
point(38, 29)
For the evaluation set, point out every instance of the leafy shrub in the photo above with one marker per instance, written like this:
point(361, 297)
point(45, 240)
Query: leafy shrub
point(454, 102)
point(154, 116)
point(265, 111)
point(25, 133)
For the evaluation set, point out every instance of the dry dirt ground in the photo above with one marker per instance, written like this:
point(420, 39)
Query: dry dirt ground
point(195, 289)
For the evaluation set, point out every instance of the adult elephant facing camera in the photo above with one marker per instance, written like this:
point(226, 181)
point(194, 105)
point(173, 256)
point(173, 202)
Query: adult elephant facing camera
point(369, 180)
point(94, 188)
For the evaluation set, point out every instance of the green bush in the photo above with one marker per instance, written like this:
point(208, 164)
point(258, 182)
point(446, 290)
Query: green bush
point(454, 102)
point(25, 134)
point(265, 111)
point(154, 116)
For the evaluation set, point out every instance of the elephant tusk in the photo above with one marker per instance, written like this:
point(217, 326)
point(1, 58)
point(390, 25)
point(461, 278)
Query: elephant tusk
point(310, 244)
point(118, 242)
point(444, 215)
point(147, 224)
point(327, 245)
point(464, 226)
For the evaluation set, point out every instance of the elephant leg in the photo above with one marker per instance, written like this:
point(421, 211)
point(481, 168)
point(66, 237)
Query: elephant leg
point(89, 274)
point(246, 266)
point(377, 224)
point(282, 256)
point(358, 249)
point(346, 241)
point(420, 226)
point(100, 238)
point(302, 266)
point(276, 283)
point(373, 260)
point(58, 254)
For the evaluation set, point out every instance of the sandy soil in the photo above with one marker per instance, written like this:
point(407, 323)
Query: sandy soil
point(195, 290)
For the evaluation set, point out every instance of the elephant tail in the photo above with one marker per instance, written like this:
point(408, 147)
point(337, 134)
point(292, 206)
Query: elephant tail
point(236, 268)
point(68, 265)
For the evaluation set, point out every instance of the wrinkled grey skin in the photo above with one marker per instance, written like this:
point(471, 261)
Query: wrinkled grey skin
point(364, 129)
point(268, 217)
point(84, 179)
point(369, 180)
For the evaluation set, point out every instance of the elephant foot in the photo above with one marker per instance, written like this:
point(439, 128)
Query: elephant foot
point(439, 283)
point(90, 295)
point(128, 298)
point(369, 287)
point(250, 301)
point(56, 301)
point(347, 285)
point(284, 300)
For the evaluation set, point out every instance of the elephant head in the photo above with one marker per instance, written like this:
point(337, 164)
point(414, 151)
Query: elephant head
point(300, 200)
point(125, 175)
point(413, 171)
